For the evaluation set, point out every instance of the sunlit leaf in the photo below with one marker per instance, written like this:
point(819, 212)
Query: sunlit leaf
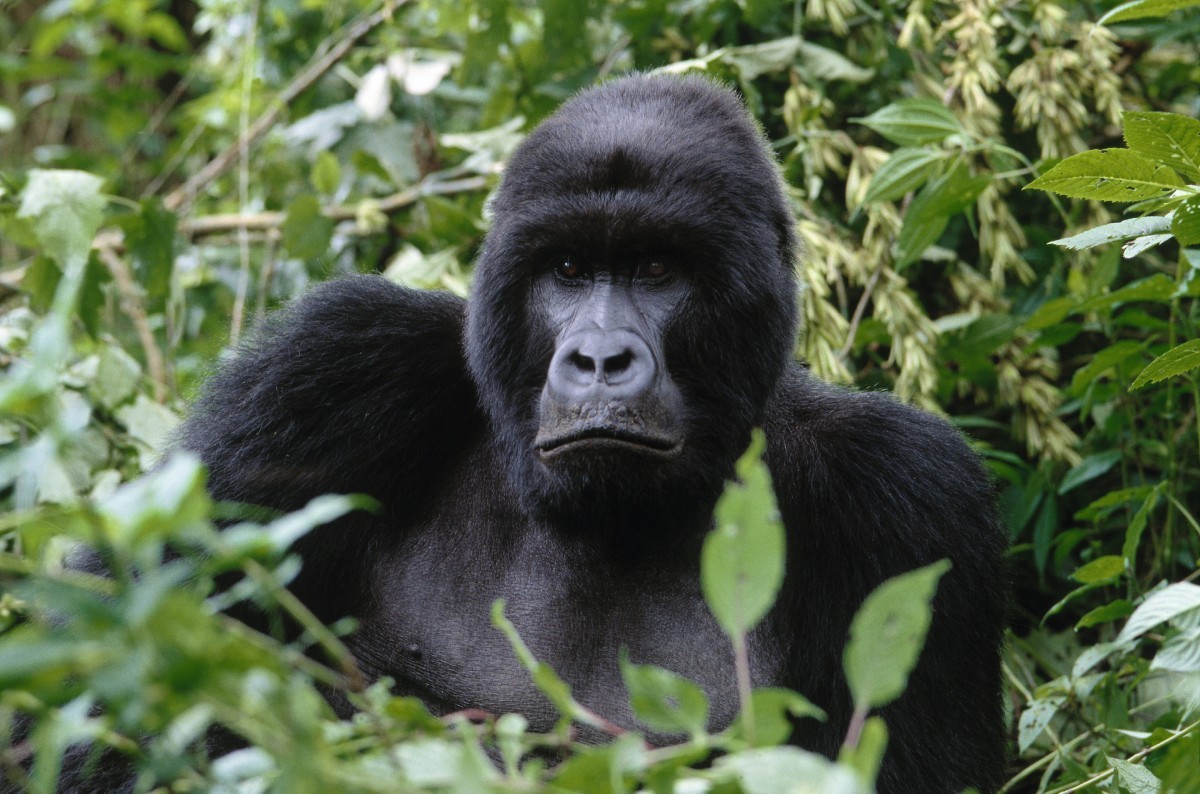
point(1140, 9)
point(1159, 607)
point(1168, 138)
point(913, 122)
point(1111, 232)
point(1108, 175)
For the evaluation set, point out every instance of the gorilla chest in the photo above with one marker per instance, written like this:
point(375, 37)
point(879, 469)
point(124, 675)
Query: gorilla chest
point(433, 631)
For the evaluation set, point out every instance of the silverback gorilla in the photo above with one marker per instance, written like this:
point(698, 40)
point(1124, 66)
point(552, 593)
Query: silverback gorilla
point(560, 441)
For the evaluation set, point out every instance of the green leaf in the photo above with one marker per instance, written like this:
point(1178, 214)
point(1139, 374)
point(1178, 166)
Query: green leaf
point(664, 701)
point(742, 562)
point(826, 64)
point(117, 377)
point(65, 209)
point(1159, 288)
point(887, 634)
point(1160, 607)
point(774, 710)
point(1185, 222)
point(1133, 533)
point(1176, 361)
point(1134, 778)
point(306, 231)
point(1111, 232)
point(326, 173)
point(1108, 175)
point(913, 122)
point(931, 209)
point(1140, 9)
point(771, 770)
point(1167, 138)
point(1103, 361)
point(1101, 569)
point(906, 170)
point(1089, 469)
point(1121, 608)
point(866, 756)
point(1034, 719)
point(557, 691)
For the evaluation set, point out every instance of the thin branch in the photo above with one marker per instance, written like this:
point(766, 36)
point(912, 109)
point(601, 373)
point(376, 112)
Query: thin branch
point(185, 193)
point(131, 304)
point(858, 311)
point(270, 221)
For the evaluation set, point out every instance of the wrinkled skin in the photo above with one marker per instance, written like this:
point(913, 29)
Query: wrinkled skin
point(632, 318)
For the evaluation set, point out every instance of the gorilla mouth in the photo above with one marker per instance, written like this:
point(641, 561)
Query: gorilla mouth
point(608, 438)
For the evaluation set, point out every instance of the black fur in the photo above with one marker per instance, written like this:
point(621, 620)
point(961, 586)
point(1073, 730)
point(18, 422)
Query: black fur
point(364, 387)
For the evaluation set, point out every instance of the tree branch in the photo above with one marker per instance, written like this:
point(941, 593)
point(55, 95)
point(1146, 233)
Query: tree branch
point(185, 193)
point(131, 304)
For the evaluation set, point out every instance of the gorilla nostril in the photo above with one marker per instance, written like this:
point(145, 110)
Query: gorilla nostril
point(581, 362)
point(615, 365)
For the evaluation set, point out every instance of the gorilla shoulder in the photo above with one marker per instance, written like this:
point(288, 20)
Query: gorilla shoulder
point(344, 391)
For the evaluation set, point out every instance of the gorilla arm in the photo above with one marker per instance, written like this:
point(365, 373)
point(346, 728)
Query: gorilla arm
point(870, 488)
point(358, 387)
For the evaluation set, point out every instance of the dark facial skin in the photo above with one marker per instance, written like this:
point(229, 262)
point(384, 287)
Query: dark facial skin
point(608, 390)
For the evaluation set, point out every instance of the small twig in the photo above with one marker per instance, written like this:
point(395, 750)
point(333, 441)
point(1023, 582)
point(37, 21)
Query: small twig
point(858, 311)
point(185, 193)
point(131, 304)
point(243, 281)
point(1133, 759)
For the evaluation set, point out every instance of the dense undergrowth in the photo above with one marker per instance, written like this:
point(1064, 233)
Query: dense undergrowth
point(170, 170)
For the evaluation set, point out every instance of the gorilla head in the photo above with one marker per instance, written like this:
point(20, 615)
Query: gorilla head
point(634, 302)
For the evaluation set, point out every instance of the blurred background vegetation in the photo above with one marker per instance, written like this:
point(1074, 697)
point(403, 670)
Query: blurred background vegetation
point(171, 170)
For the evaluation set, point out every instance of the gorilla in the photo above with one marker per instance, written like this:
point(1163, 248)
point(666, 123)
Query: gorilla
point(560, 441)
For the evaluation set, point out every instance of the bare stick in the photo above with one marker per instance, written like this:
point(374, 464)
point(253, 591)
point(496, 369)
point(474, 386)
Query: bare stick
point(858, 311)
point(131, 304)
point(185, 193)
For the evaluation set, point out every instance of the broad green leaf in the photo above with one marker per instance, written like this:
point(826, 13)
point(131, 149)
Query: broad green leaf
point(1089, 469)
point(600, 770)
point(1101, 569)
point(1034, 719)
point(754, 60)
point(1181, 652)
point(65, 209)
point(913, 122)
point(887, 634)
point(117, 377)
point(867, 755)
point(158, 504)
point(1140, 9)
point(1133, 533)
point(306, 231)
point(664, 701)
point(1108, 175)
point(1167, 138)
point(742, 562)
point(1176, 361)
point(1111, 232)
point(1134, 778)
point(1135, 247)
point(1159, 288)
point(1121, 608)
point(771, 770)
point(1050, 313)
point(931, 209)
point(1185, 222)
point(1103, 361)
point(906, 170)
point(826, 64)
point(774, 709)
point(1160, 607)
point(150, 236)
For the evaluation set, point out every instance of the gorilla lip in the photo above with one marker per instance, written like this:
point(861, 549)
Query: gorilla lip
point(606, 438)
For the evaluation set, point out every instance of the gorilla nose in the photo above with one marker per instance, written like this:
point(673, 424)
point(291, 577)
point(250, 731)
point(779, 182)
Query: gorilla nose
point(613, 364)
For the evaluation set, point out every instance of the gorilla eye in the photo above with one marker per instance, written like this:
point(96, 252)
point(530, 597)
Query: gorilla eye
point(568, 269)
point(653, 269)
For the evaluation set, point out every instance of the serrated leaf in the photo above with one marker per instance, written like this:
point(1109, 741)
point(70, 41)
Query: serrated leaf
point(1185, 222)
point(887, 634)
point(1135, 247)
point(1108, 175)
point(913, 122)
point(662, 700)
point(1101, 569)
point(906, 170)
point(1160, 607)
point(1176, 361)
point(742, 562)
point(1140, 9)
point(1111, 232)
point(1167, 138)
point(1135, 778)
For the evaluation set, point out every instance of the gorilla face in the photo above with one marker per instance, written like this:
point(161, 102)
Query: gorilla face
point(634, 304)
point(608, 391)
